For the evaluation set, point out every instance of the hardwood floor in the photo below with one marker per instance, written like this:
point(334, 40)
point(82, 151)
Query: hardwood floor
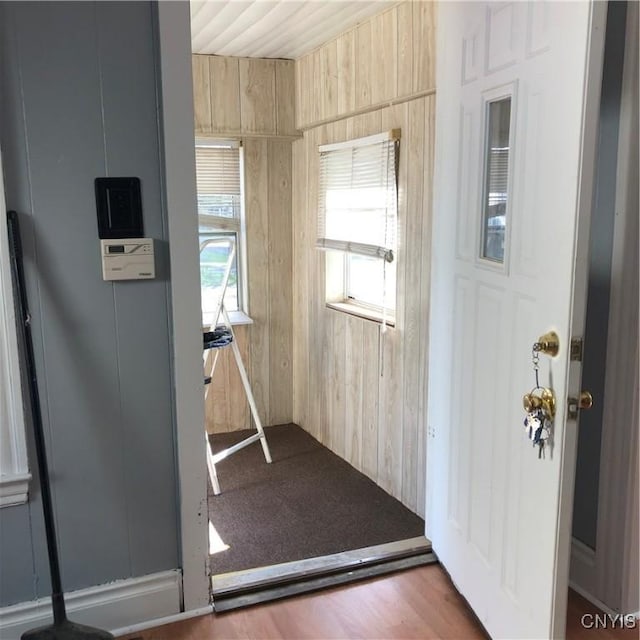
point(419, 604)
point(577, 608)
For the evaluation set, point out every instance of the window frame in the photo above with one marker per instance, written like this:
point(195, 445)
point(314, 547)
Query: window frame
point(366, 305)
point(220, 234)
point(338, 281)
point(14, 474)
point(224, 226)
point(510, 91)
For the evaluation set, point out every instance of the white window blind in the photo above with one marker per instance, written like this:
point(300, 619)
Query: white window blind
point(218, 181)
point(357, 208)
point(498, 175)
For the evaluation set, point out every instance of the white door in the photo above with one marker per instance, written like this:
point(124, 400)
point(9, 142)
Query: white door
point(513, 167)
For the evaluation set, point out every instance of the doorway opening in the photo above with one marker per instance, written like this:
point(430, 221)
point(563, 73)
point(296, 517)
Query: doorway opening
point(333, 385)
point(309, 504)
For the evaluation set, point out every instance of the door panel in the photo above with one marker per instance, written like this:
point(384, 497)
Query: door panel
point(494, 516)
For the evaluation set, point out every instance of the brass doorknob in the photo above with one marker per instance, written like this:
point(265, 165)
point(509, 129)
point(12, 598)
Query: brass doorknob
point(531, 402)
point(546, 400)
point(586, 400)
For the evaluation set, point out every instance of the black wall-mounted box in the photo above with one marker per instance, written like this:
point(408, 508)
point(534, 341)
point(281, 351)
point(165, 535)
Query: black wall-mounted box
point(119, 207)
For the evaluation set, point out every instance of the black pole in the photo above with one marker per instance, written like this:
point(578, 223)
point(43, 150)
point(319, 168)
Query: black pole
point(24, 323)
point(61, 627)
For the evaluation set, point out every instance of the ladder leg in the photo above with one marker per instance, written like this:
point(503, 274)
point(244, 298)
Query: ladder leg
point(247, 389)
point(213, 369)
point(252, 402)
point(213, 476)
point(215, 362)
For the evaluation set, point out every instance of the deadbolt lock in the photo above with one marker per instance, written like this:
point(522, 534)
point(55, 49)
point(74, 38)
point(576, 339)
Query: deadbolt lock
point(549, 344)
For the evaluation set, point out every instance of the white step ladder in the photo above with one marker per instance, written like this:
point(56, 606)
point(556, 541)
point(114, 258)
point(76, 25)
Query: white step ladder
point(220, 336)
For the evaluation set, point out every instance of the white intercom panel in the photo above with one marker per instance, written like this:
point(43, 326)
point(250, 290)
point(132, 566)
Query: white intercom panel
point(128, 259)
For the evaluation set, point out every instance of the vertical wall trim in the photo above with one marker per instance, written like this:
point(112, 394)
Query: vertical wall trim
point(176, 92)
point(14, 466)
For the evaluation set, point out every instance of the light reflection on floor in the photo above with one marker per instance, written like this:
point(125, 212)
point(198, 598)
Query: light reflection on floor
point(216, 544)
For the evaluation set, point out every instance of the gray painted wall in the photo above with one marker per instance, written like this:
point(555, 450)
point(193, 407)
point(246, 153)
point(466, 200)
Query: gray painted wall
point(585, 508)
point(78, 100)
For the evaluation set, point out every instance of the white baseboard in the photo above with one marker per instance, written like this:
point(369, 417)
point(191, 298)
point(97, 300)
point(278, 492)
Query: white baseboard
point(583, 574)
point(160, 622)
point(598, 603)
point(109, 606)
point(583, 552)
point(583, 578)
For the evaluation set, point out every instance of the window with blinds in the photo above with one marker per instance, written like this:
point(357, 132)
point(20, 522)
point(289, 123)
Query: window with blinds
point(219, 197)
point(357, 218)
point(495, 199)
point(218, 181)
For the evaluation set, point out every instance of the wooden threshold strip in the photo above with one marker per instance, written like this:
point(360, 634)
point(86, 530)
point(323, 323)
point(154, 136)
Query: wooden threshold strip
point(241, 588)
point(307, 585)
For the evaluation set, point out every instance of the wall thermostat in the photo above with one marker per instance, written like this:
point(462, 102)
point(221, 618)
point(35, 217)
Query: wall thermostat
point(128, 259)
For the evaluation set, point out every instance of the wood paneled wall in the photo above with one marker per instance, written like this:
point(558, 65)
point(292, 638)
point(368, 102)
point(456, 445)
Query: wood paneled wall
point(243, 96)
point(269, 257)
point(252, 100)
point(226, 407)
point(360, 392)
point(391, 56)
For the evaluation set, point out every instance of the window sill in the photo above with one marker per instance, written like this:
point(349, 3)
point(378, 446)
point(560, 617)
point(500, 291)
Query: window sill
point(236, 317)
point(14, 489)
point(361, 312)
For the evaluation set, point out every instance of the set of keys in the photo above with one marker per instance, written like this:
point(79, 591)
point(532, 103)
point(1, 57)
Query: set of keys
point(538, 427)
point(539, 404)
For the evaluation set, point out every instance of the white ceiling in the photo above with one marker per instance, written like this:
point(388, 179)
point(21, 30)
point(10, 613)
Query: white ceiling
point(273, 28)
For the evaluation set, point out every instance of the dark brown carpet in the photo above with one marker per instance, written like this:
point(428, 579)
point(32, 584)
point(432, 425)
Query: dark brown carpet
point(307, 503)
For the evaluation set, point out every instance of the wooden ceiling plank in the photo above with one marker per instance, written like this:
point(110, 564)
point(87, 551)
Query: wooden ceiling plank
point(274, 28)
point(230, 11)
point(253, 13)
point(271, 22)
point(195, 6)
point(204, 14)
point(339, 23)
point(312, 23)
point(263, 45)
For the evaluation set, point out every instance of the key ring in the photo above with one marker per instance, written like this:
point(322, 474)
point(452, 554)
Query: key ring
point(540, 405)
